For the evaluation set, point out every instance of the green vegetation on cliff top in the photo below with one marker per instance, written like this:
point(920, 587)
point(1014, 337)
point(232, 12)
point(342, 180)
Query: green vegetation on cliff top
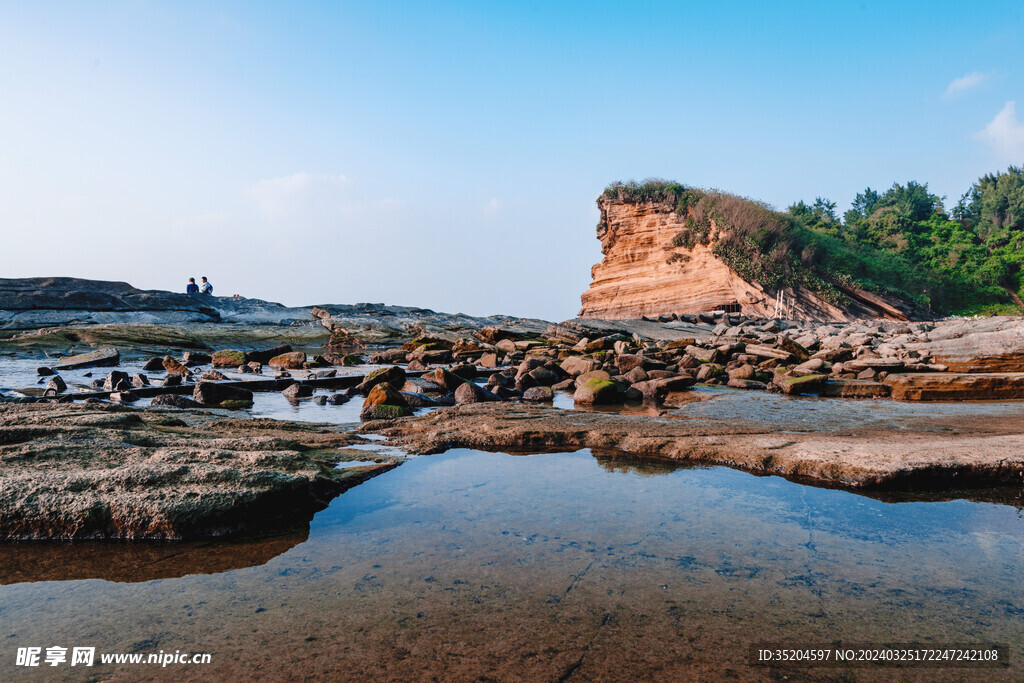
point(900, 242)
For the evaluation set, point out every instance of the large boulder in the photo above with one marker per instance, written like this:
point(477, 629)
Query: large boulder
point(658, 389)
point(384, 402)
point(599, 392)
point(292, 360)
point(264, 357)
point(393, 375)
point(575, 366)
point(448, 381)
point(213, 394)
point(789, 383)
point(114, 379)
point(626, 362)
point(173, 367)
point(228, 359)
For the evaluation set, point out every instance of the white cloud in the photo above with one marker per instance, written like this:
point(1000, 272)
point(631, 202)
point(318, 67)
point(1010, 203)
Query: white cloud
point(492, 207)
point(299, 193)
point(1005, 134)
point(958, 86)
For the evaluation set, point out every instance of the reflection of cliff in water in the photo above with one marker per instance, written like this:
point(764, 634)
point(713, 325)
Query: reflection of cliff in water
point(137, 561)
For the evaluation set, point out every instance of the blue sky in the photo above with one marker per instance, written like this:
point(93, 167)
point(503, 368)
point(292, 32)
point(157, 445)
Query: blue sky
point(448, 155)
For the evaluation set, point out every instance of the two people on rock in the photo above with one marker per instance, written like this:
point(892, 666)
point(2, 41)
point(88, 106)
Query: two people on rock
point(193, 288)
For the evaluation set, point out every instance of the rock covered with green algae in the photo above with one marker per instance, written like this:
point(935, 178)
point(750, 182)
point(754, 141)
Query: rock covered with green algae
point(109, 472)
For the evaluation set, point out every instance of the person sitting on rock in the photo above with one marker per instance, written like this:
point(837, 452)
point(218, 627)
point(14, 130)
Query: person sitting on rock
point(207, 288)
point(192, 287)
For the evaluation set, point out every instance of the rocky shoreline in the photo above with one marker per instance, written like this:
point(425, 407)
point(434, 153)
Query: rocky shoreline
point(81, 463)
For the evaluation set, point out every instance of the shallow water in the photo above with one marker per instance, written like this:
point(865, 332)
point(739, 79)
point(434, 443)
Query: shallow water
point(469, 564)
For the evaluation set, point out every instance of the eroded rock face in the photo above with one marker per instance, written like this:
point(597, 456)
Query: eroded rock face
point(643, 274)
point(948, 386)
point(88, 471)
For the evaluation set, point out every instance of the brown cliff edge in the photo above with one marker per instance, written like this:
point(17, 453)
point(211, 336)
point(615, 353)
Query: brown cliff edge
point(643, 273)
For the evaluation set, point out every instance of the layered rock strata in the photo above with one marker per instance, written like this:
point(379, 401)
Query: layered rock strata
point(643, 274)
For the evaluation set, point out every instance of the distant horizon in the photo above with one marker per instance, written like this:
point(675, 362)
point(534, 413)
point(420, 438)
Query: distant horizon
point(448, 156)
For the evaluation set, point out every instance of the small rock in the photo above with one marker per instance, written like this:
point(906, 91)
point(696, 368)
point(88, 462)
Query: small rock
point(210, 393)
point(174, 401)
point(539, 394)
point(468, 392)
point(296, 391)
point(57, 384)
point(114, 378)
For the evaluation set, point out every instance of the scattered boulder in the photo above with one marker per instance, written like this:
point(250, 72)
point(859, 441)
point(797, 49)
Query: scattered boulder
point(124, 397)
point(627, 362)
point(292, 360)
point(173, 367)
point(384, 402)
point(296, 390)
point(228, 359)
point(747, 384)
point(389, 356)
point(575, 365)
point(538, 394)
point(443, 378)
point(212, 394)
point(139, 380)
point(213, 375)
point(172, 381)
point(173, 401)
point(657, 389)
point(264, 357)
point(192, 358)
point(45, 372)
point(393, 375)
point(155, 364)
point(57, 384)
point(114, 378)
point(599, 392)
point(852, 388)
point(468, 392)
point(799, 384)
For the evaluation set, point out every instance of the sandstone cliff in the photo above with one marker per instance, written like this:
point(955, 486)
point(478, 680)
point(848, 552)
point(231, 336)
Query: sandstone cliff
point(644, 273)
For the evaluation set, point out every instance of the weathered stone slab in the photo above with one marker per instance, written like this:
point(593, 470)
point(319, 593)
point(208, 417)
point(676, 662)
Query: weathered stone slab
point(100, 358)
point(855, 388)
point(947, 386)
